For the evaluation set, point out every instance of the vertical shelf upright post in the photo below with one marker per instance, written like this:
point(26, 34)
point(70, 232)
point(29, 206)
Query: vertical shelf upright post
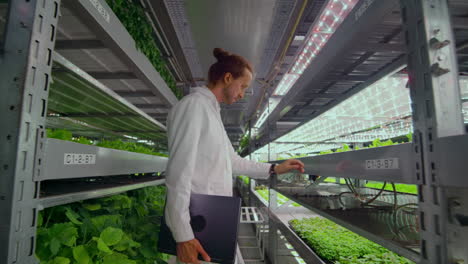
point(272, 226)
point(25, 74)
point(436, 104)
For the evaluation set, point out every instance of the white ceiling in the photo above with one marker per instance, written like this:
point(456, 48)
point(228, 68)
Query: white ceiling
point(240, 26)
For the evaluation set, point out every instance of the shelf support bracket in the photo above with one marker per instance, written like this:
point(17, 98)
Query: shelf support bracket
point(24, 84)
point(436, 105)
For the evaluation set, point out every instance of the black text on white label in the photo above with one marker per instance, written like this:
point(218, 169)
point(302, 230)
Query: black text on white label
point(382, 164)
point(78, 159)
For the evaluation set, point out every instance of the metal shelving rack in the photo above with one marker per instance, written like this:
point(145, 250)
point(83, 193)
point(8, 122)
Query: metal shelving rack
point(67, 64)
point(434, 161)
point(271, 213)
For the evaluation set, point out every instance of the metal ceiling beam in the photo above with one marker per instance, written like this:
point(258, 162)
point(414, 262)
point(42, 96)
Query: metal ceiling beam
point(460, 22)
point(79, 44)
point(135, 93)
point(382, 47)
point(322, 95)
point(282, 28)
point(167, 35)
point(350, 78)
point(295, 119)
point(116, 38)
point(113, 75)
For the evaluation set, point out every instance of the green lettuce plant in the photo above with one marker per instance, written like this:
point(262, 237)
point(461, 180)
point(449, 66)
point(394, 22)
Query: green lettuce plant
point(338, 245)
point(64, 134)
point(135, 21)
point(121, 229)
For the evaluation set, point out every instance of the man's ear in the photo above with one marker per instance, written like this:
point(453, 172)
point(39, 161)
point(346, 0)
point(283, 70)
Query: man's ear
point(228, 78)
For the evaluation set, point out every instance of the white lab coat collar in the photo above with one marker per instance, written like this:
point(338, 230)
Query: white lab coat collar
point(208, 93)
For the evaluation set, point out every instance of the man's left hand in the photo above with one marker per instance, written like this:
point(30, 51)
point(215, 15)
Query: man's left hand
point(289, 165)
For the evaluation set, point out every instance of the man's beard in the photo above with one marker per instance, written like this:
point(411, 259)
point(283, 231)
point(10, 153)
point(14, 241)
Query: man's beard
point(227, 95)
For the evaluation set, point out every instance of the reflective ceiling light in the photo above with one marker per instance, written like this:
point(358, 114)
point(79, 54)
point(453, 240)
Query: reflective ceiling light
point(272, 103)
point(285, 84)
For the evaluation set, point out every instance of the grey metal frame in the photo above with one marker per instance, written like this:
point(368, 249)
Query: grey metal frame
point(86, 76)
point(26, 63)
point(305, 252)
point(381, 241)
point(75, 197)
point(436, 107)
point(24, 81)
point(354, 164)
point(106, 162)
point(105, 24)
point(351, 33)
point(436, 160)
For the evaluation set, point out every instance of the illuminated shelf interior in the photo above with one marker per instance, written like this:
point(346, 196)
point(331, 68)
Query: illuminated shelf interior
point(382, 110)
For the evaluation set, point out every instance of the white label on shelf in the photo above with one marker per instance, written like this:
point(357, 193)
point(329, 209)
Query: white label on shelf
point(382, 164)
point(101, 10)
point(78, 159)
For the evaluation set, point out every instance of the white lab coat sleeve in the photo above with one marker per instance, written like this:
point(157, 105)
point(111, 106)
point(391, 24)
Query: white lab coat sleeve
point(184, 130)
point(253, 169)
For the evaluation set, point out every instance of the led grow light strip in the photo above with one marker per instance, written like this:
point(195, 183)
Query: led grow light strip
point(329, 20)
point(272, 103)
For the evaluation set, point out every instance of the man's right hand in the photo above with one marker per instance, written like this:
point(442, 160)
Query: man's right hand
point(187, 252)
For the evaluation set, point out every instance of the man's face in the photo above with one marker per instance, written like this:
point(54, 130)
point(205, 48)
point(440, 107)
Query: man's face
point(235, 88)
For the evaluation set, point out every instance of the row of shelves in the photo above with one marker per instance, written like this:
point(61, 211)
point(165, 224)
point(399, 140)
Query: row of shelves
point(388, 220)
point(66, 160)
point(375, 224)
point(251, 198)
point(95, 62)
point(102, 190)
point(71, 64)
point(93, 48)
point(91, 36)
point(395, 163)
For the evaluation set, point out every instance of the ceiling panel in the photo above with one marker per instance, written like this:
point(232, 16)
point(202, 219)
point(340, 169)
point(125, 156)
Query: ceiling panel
point(240, 26)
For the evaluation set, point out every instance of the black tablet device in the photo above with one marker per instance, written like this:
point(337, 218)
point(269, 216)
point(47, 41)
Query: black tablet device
point(215, 223)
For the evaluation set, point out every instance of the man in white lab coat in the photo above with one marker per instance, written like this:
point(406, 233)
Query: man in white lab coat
point(201, 157)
